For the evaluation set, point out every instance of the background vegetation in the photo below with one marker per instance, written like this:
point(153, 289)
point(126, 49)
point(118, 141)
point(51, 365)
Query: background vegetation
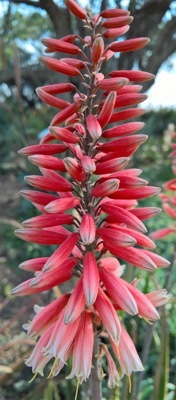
point(22, 117)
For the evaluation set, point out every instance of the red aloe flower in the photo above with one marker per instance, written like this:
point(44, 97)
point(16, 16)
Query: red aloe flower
point(169, 199)
point(97, 198)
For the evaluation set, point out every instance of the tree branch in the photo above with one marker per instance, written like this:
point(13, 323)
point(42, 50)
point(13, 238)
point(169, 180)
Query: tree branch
point(28, 2)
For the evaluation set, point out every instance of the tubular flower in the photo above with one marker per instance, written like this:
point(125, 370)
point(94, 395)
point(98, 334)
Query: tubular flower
point(169, 198)
point(92, 181)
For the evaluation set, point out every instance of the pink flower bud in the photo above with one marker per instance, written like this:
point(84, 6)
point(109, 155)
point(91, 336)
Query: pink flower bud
point(107, 109)
point(108, 54)
point(93, 127)
point(88, 40)
point(53, 185)
point(121, 130)
point(47, 162)
point(115, 32)
point(135, 76)
point(144, 213)
point(136, 193)
point(80, 129)
point(116, 237)
point(126, 114)
point(108, 167)
point(40, 236)
point(33, 265)
point(158, 260)
point(145, 307)
point(54, 45)
point(130, 99)
point(105, 188)
point(131, 142)
point(141, 240)
point(59, 66)
point(42, 149)
point(87, 229)
point(97, 50)
point(118, 291)
point(46, 221)
point(73, 168)
point(38, 197)
point(66, 113)
point(134, 256)
point(88, 164)
point(121, 215)
point(64, 134)
point(75, 9)
point(47, 280)
point(158, 298)
point(62, 252)
point(50, 99)
point(114, 12)
point(130, 89)
point(129, 45)
point(60, 205)
point(117, 22)
point(74, 62)
point(112, 83)
point(69, 38)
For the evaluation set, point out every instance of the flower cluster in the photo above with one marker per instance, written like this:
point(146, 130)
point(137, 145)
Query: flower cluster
point(96, 197)
point(169, 198)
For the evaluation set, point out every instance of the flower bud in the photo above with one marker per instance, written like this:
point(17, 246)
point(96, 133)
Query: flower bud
point(115, 32)
point(112, 84)
point(114, 12)
point(135, 76)
point(93, 127)
point(97, 50)
point(59, 66)
point(117, 22)
point(75, 9)
point(64, 134)
point(107, 109)
point(87, 229)
point(105, 188)
point(54, 45)
point(129, 45)
point(88, 164)
point(73, 168)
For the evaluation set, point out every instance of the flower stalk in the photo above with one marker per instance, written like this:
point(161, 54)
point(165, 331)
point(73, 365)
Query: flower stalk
point(92, 181)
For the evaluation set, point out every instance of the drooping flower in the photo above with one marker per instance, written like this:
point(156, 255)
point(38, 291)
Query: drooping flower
point(92, 181)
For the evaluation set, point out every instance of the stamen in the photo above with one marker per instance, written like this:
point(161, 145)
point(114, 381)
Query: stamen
point(34, 376)
point(77, 389)
point(129, 383)
point(148, 322)
point(52, 369)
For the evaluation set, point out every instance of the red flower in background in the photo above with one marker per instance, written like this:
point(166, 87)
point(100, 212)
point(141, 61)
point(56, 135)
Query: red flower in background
point(97, 200)
point(169, 197)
